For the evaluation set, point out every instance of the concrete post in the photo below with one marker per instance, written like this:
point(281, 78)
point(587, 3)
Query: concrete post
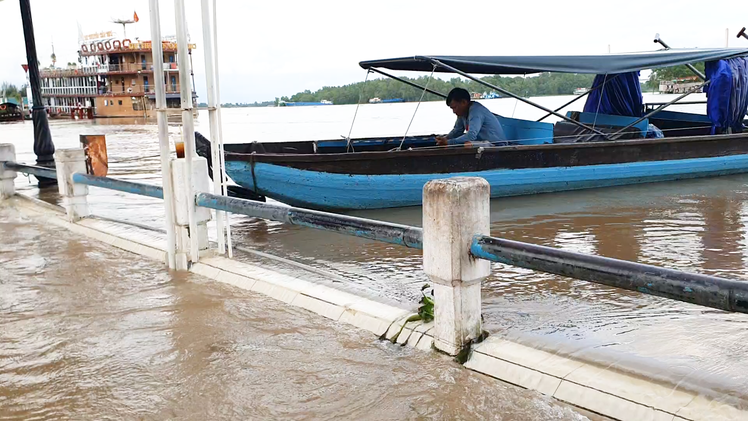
point(454, 210)
point(7, 177)
point(67, 163)
point(182, 205)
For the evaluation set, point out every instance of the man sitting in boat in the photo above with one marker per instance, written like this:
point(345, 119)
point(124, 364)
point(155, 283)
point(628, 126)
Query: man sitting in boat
point(475, 125)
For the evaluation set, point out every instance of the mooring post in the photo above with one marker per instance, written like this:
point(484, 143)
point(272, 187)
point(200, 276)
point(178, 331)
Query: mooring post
point(455, 210)
point(182, 204)
point(7, 177)
point(67, 163)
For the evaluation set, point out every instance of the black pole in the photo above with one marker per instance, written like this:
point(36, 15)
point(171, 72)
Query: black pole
point(659, 40)
point(43, 146)
point(407, 82)
point(605, 81)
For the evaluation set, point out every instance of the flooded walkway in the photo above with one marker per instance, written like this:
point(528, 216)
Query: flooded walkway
point(89, 331)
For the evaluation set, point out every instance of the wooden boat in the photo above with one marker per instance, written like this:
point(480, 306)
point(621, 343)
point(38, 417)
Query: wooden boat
point(374, 173)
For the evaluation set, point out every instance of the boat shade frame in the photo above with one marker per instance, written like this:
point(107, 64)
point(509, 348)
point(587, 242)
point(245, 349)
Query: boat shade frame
point(588, 64)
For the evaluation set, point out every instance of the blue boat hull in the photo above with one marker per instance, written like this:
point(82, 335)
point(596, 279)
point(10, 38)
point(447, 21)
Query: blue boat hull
point(334, 191)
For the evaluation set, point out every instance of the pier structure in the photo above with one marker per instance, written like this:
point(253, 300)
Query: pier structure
point(458, 253)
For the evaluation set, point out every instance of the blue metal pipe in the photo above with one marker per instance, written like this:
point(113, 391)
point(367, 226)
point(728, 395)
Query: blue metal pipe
point(704, 290)
point(119, 185)
point(31, 169)
point(387, 232)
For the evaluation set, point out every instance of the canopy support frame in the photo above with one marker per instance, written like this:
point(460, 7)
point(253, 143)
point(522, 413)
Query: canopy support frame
point(578, 98)
point(517, 97)
point(617, 134)
point(407, 82)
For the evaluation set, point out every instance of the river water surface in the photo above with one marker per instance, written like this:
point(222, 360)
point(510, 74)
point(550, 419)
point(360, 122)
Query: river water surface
point(696, 225)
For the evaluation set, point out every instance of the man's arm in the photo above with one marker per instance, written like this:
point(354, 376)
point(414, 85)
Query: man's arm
point(458, 130)
point(475, 122)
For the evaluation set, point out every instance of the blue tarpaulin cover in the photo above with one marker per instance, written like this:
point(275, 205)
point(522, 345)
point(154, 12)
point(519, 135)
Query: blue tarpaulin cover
point(620, 95)
point(727, 93)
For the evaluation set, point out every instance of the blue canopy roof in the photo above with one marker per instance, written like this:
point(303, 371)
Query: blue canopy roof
point(593, 64)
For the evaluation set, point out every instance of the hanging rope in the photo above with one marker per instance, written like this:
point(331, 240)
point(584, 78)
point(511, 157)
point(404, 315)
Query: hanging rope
point(360, 94)
point(599, 102)
point(516, 101)
point(418, 105)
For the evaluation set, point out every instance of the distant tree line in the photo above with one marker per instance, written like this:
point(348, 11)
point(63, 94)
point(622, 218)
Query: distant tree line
point(241, 104)
point(386, 88)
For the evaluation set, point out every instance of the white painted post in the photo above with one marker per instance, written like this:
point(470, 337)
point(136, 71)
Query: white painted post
point(7, 177)
point(184, 199)
point(188, 123)
point(163, 131)
point(67, 163)
point(455, 210)
point(213, 119)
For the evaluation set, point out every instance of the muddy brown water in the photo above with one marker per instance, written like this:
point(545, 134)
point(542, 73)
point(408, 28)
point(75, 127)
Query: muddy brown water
point(88, 331)
point(694, 225)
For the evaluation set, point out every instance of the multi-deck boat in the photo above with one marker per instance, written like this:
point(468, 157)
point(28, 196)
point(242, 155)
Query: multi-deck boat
point(114, 78)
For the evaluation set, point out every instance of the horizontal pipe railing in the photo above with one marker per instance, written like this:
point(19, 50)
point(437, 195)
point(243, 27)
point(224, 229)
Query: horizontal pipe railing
point(387, 232)
point(704, 290)
point(31, 169)
point(140, 189)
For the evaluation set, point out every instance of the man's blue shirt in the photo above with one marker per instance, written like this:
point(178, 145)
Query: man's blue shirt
point(480, 126)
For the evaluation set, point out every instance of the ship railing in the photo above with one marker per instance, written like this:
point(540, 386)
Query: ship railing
point(69, 90)
point(69, 72)
point(119, 90)
point(458, 250)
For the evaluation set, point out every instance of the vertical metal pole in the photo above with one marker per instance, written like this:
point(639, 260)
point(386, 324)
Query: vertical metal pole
point(188, 123)
point(43, 146)
point(212, 117)
point(221, 156)
point(163, 131)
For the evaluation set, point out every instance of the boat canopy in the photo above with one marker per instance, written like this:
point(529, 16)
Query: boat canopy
point(592, 64)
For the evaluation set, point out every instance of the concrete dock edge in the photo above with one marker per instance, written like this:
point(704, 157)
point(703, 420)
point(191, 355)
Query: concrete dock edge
point(593, 387)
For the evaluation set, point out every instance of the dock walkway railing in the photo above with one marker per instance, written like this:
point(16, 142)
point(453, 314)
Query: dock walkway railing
point(455, 239)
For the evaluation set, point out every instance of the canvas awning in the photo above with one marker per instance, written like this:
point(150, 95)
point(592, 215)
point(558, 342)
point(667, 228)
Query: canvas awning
point(592, 64)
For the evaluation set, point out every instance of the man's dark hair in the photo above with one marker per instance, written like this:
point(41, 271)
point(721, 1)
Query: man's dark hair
point(458, 94)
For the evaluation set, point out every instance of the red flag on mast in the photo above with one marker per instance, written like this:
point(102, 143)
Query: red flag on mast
point(135, 16)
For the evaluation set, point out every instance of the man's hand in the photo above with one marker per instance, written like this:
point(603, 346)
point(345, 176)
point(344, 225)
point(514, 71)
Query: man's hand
point(442, 141)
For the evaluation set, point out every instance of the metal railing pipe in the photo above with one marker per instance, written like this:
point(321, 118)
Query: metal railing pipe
point(140, 189)
point(387, 232)
point(704, 290)
point(31, 169)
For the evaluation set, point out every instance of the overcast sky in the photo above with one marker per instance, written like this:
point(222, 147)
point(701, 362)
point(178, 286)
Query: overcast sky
point(272, 48)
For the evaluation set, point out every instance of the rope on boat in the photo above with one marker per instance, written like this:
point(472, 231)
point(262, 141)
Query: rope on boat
point(516, 101)
point(418, 105)
point(600, 100)
point(360, 94)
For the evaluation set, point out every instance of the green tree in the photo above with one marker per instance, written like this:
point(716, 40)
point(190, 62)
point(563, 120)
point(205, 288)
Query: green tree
point(10, 90)
point(671, 73)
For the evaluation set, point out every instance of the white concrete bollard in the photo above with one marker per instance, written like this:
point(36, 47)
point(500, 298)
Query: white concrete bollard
point(201, 184)
point(455, 210)
point(67, 163)
point(7, 177)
